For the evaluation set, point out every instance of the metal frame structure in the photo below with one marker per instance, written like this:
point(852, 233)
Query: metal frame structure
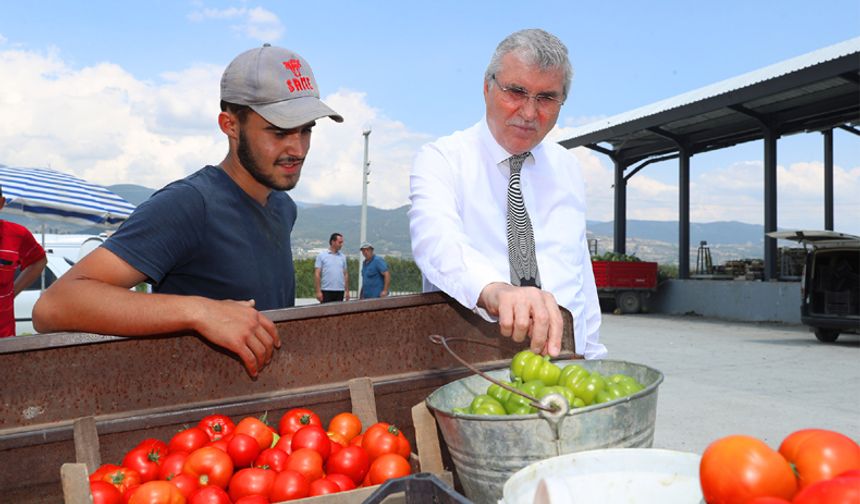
point(816, 92)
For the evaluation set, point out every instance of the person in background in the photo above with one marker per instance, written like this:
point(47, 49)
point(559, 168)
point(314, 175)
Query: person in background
point(498, 214)
point(375, 278)
point(216, 244)
point(18, 250)
point(331, 277)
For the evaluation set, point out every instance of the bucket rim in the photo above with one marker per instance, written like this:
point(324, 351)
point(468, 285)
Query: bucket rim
point(648, 390)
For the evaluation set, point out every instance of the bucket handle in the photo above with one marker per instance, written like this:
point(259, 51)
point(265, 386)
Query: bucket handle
point(552, 406)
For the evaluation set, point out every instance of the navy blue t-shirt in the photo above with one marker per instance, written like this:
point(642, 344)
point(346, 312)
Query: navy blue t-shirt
point(203, 235)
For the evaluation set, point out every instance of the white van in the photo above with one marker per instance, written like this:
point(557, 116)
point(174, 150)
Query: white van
point(24, 302)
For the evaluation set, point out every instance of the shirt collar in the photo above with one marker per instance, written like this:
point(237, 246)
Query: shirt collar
point(498, 154)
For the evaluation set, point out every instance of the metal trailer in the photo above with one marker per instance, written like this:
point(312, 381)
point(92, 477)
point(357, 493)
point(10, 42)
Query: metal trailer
point(137, 388)
point(629, 283)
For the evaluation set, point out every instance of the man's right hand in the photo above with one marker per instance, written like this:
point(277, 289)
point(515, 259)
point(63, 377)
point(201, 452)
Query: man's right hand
point(525, 311)
point(319, 296)
point(239, 327)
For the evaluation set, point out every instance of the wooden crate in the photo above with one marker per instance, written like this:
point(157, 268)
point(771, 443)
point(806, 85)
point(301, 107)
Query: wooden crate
point(75, 480)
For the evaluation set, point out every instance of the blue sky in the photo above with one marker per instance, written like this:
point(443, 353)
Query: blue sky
point(126, 92)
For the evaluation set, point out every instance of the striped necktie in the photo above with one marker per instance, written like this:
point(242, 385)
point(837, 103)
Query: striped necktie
point(521, 238)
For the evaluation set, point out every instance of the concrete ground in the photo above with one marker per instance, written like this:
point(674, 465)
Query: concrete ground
point(721, 378)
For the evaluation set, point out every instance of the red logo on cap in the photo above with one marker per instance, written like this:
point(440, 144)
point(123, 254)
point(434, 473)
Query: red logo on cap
point(294, 66)
point(299, 83)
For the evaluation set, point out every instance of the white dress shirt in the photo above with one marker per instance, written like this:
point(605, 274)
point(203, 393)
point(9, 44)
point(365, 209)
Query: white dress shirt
point(458, 223)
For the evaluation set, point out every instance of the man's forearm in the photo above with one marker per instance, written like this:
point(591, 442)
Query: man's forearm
point(87, 305)
point(29, 275)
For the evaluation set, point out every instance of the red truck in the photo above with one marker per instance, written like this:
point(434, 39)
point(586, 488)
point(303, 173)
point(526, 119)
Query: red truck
point(629, 283)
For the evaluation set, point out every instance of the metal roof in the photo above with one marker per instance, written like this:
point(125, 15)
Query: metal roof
point(816, 91)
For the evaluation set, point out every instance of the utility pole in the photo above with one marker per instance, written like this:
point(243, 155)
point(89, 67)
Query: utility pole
point(365, 169)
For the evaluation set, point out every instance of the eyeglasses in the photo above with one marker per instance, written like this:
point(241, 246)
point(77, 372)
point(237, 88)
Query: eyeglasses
point(518, 96)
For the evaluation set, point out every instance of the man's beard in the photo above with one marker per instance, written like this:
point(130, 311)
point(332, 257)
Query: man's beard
point(249, 161)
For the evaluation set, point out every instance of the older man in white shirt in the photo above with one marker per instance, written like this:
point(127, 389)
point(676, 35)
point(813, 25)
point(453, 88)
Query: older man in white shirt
point(462, 213)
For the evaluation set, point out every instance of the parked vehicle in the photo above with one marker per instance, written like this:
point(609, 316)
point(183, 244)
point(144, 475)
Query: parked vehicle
point(629, 283)
point(830, 285)
point(24, 302)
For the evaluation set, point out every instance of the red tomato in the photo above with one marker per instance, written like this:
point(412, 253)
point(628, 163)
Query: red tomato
point(243, 449)
point(210, 466)
point(388, 466)
point(157, 492)
point(840, 490)
point(736, 469)
point(346, 424)
point(323, 486)
point(851, 473)
point(820, 455)
point(342, 480)
point(285, 443)
point(357, 440)
point(146, 461)
point(382, 438)
point(313, 437)
point(335, 447)
point(221, 444)
point(337, 438)
point(188, 440)
point(257, 429)
point(209, 495)
point(307, 462)
point(186, 484)
point(98, 474)
point(216, 426)
point(289, 485)
point(352, 461)
point(154, 444)
point(126, 496)
point(768, 500)
point(251, 481)
point(122, 478)
point(295, 419)
point(172, 465)
point(252, 499)
point(105, 493)
point(272, 458)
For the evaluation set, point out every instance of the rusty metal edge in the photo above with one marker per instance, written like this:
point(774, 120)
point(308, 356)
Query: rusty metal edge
point(64, 339)
point(39, 434)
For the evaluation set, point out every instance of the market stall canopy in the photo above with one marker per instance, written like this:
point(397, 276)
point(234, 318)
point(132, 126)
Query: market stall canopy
point(46, 194)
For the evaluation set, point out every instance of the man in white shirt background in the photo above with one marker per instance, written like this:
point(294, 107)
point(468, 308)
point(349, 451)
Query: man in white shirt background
point(331, 277)
point(467, 215)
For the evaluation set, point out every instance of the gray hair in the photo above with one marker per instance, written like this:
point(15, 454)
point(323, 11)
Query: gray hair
point(536, 47)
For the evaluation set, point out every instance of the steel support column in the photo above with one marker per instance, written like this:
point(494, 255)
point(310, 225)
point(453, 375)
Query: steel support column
point(620, 222)
point(770, 255)
point(684, 213)
point(828, 179)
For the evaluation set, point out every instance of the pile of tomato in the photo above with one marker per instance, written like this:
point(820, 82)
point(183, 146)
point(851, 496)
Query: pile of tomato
point(811, 466)
point(218, 461)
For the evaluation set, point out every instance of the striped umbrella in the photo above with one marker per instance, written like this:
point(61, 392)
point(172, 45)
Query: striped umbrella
point(44, 194)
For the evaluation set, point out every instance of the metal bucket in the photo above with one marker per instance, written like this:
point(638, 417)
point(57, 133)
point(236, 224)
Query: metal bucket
point(487, 450)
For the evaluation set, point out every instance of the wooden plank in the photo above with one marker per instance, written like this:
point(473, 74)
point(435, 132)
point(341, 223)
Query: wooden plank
point(363, 401)
point(87, 443)
point(427, 439)
point(76, 486)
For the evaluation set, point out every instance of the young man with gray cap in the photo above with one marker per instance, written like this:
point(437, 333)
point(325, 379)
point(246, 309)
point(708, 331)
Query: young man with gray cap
point(216, 244)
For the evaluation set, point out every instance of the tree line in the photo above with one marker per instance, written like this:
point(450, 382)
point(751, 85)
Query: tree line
point(405, 275)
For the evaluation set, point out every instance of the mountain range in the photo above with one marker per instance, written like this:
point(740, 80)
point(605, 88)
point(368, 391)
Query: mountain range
point(388, 231)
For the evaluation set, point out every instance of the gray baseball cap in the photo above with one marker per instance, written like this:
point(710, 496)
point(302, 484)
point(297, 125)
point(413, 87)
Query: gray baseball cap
point(276, 83)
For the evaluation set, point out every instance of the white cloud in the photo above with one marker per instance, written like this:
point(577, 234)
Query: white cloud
point(256, 23)
point(332, 174)
point(102, 124)
point(2, 39)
